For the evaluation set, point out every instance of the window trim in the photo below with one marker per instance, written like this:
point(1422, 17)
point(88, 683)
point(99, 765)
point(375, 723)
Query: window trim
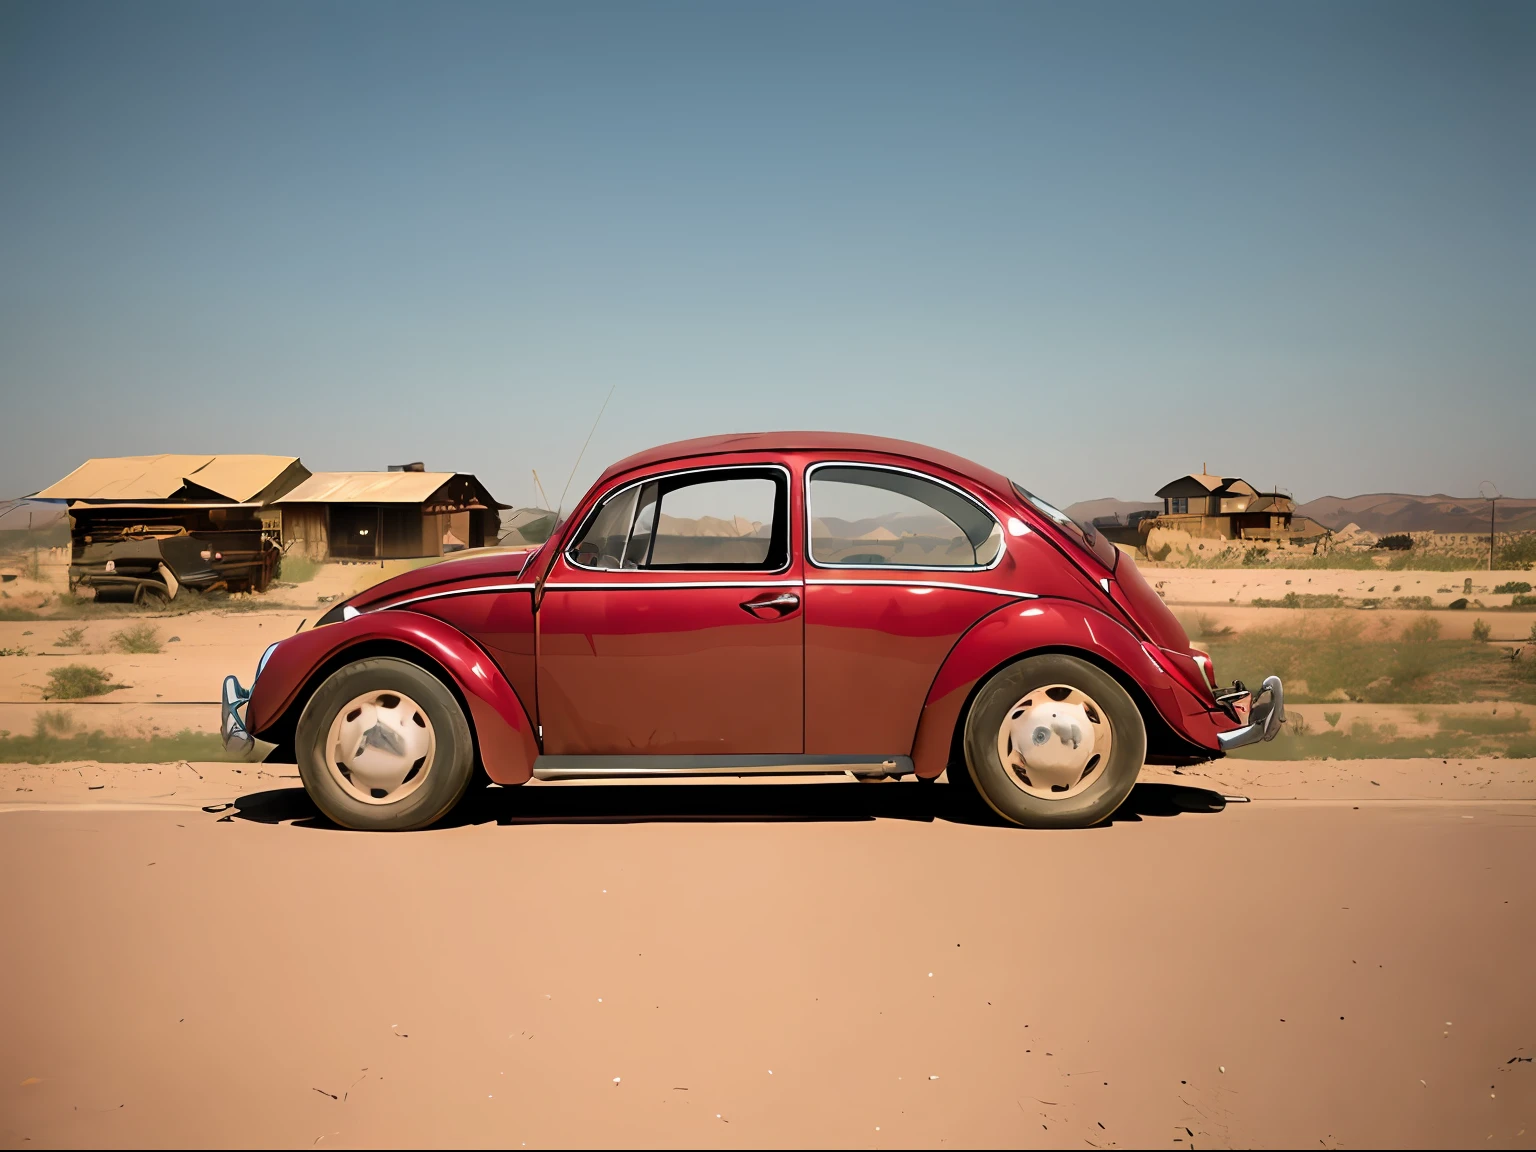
point(832, 565)
point(659, 477)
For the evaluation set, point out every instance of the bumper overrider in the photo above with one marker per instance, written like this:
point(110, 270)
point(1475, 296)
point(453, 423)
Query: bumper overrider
point(237, 741)
point(232, 701)
point(1266, 713)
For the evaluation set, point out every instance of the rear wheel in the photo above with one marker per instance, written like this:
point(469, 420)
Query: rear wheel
point(1054, 742)
point(154, 597)
point(383, 746)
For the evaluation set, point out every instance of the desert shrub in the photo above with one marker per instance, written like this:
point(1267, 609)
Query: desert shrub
point(1415, 655)
point(137, 639)
point(1513, 586)
point(18, 651)
point(52, 721)
point(297, 569)
point(1435, 562)
point(1207, 629)
point(1332, 718)
point(1353, 561)
point(70, 638)
point(1522, 600)
point(1485, 725)
point(1481, 630)
point(1519, 552)
point(1302, 600)
point(77, 681)
point(50, 746)
point(1359, 657)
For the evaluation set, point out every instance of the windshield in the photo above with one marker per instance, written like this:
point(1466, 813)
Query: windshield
point(1089, 537)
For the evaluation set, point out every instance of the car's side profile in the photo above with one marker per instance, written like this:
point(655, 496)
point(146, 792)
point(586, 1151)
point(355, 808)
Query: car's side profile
point(774, 604)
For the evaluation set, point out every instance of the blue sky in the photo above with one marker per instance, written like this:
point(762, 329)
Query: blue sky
point(1091, 245)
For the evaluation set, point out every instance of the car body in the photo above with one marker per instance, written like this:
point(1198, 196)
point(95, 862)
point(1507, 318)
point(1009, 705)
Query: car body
point(793, 637)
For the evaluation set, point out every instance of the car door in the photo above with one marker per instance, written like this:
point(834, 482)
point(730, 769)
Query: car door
point(673, 623)
point(899, 565)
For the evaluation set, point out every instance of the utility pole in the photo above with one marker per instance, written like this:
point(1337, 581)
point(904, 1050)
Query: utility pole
point(1490, 493)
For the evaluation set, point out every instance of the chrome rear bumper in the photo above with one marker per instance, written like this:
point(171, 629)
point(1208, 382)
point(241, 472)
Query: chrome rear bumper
point(237, 741)
point(1264, 718)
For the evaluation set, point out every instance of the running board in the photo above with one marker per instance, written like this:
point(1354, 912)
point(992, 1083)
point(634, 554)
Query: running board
point(673, 767)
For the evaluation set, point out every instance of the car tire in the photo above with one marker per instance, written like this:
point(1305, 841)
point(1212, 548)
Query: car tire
point(1053, 742)
point(384, 746)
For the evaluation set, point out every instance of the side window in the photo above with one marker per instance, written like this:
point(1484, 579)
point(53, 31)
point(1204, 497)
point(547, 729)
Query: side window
point(867, 516)
point(730, 519)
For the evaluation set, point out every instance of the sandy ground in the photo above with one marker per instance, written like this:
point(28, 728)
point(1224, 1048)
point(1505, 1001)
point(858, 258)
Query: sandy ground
point(1226, 585)
point(193, 957)
point(799, 964)
point(1225, 596)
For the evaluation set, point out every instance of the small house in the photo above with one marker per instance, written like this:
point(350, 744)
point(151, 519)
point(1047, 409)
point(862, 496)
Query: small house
point(1229, 508)
point(404, 513)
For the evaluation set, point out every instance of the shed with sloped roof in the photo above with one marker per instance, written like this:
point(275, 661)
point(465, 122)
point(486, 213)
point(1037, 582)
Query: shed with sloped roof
point(158, 523)
point(387, 515)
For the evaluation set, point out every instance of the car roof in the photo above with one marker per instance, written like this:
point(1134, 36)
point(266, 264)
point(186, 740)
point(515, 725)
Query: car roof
point(829, 442)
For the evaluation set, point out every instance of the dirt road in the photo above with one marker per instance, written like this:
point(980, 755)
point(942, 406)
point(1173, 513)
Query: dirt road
point(744, 965)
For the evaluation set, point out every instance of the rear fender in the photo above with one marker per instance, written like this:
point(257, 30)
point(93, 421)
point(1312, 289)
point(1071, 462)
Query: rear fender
point(1037, 626)
point(503, 734)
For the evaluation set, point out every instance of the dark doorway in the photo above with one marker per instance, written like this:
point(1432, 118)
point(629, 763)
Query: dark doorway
point(355, 531)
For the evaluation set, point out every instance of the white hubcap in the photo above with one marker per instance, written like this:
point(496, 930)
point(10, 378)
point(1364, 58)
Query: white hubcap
point(380, 747)
point(1055, 742)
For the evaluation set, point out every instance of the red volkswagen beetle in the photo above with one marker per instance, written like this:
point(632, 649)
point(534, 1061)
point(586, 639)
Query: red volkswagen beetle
point(774, 604)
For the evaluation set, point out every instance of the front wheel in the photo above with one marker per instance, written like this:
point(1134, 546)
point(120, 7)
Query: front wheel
point(383, 746)
point(1054, 742)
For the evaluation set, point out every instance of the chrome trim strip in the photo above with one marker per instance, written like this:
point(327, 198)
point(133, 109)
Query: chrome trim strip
point(453, 592)
point(625, 487)
point(662, 767)
point(971, 496)
point(933, 584)
point(607, 586)
point(601, 585)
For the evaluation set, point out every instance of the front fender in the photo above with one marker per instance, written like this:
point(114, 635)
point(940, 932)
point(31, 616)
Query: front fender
point(1019, 629)
point(500, 722)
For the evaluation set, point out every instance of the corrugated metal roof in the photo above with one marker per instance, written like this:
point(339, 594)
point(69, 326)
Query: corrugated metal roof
point(240, 477)
point(159, 477)
point(162, 506)
point(367, 488)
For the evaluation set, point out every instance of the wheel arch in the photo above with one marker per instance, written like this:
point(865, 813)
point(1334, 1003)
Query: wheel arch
point(281, 732)
point(1002, 639)
point(504, 743)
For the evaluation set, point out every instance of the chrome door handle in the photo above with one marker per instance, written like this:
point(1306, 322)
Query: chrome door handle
point(782, 603)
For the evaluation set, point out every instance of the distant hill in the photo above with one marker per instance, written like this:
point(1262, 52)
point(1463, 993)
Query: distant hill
point(1387, 512)
point(1085, 511)
point(15, 514)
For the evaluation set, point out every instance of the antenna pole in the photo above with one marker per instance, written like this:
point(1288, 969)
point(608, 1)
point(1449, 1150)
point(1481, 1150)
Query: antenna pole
point(540, 487)
point(561, 507)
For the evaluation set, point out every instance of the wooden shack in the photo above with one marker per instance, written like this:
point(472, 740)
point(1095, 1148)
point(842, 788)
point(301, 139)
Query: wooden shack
point(363, 516)
point(142, 523)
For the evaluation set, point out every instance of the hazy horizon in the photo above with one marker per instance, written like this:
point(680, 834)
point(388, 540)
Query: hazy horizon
point(1091, 245)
